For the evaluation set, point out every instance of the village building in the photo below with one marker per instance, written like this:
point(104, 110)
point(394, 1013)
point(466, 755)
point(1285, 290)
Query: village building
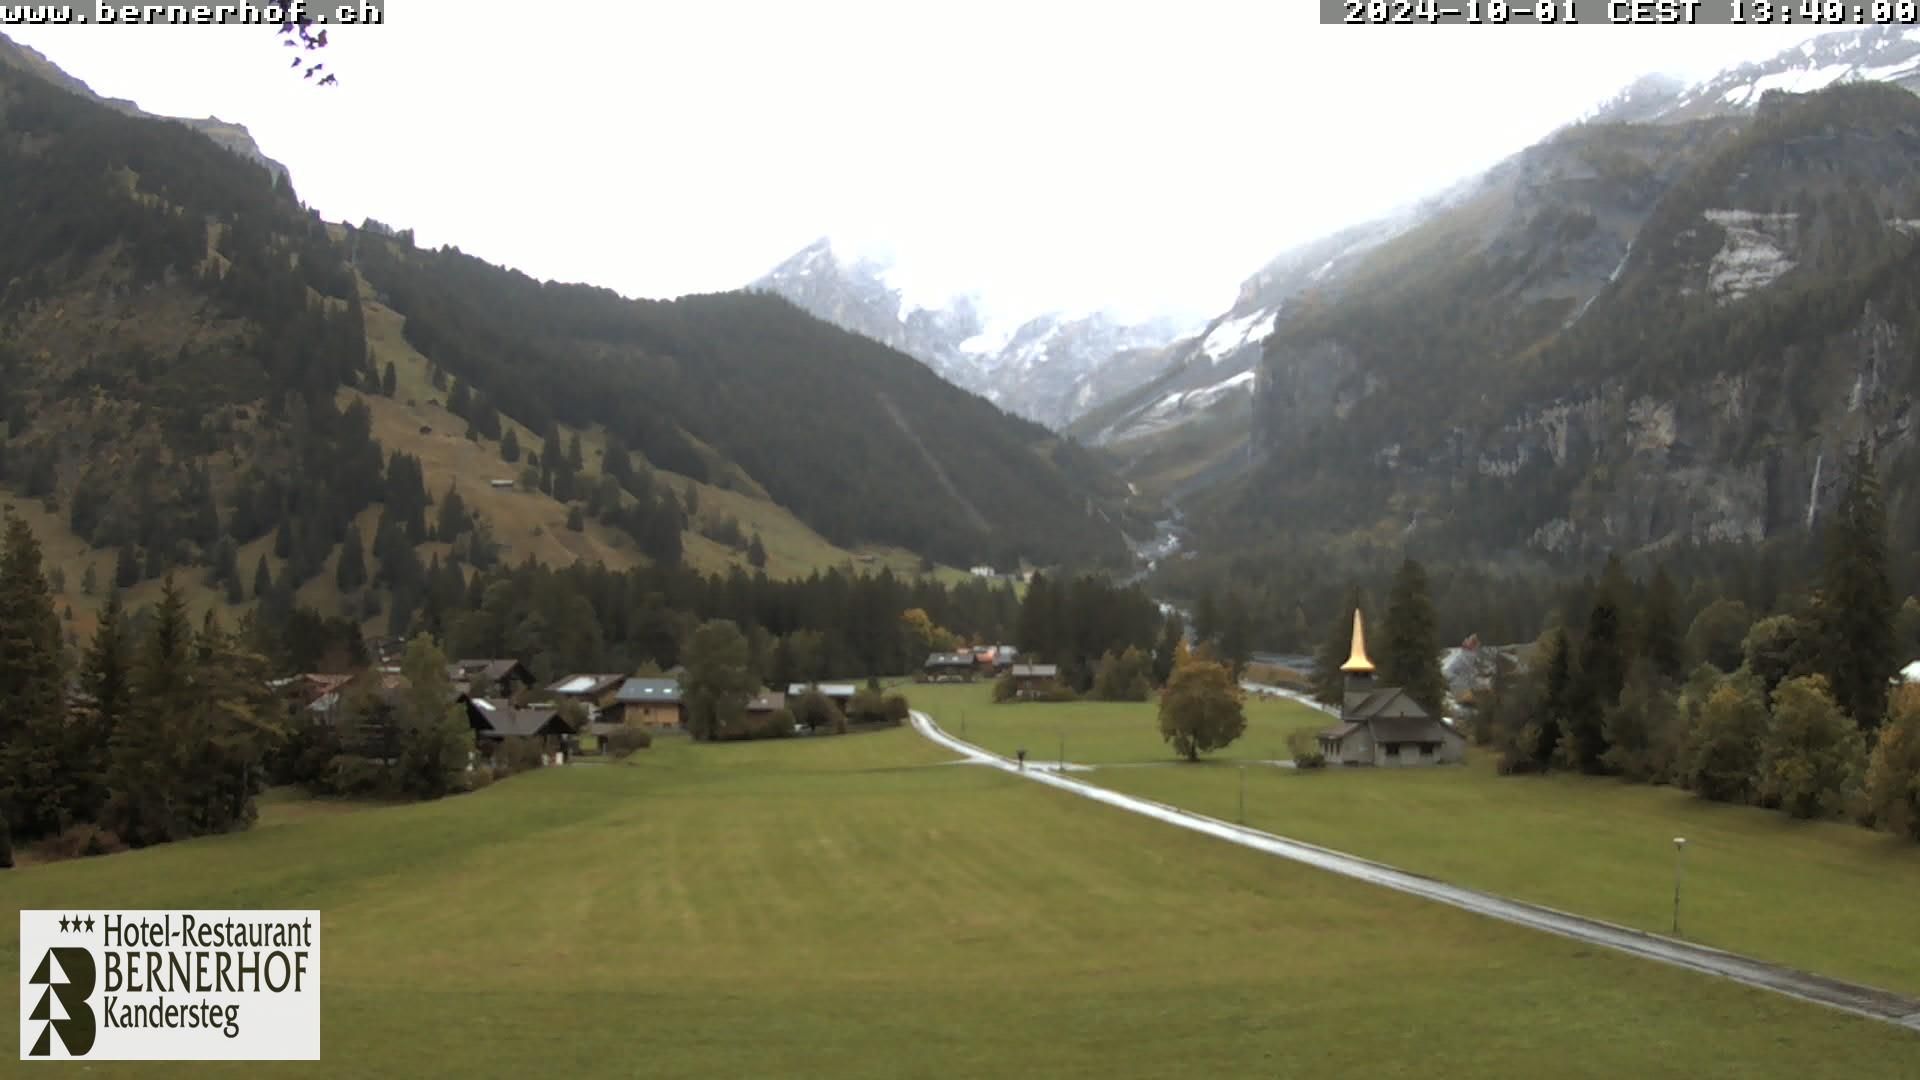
point(950, 667)
point(1381, 725)
point(490, 677)
point(596, 692)
point(1030, 680)
point(495, 720)
point(841, 694)
point(654, 704)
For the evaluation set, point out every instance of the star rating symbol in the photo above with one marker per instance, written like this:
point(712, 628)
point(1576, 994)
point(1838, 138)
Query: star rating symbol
point(74, 924)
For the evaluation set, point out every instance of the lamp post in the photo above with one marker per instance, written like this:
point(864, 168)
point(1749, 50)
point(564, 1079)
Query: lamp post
point(1063, 754)
point(1679, 872)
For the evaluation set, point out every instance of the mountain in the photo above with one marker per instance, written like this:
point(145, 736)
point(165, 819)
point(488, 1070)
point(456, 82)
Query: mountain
point(203, 377)
point(1190, 424)
point(1652, 339)
point(227, 135)
point(1050, 367)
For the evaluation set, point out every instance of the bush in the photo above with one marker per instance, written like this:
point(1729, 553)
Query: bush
point(1123, 676)
point(351, 774)
point(1003, 689)
point(897, 708)
point(626, 740)
point(517, 754)
point(1305, 749)
point(867, 707)
point(1055, 691)
point(816, 710)
point(83, 840)
point(480, 776)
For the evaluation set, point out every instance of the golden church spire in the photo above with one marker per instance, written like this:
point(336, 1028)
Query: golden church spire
point(1358, 664)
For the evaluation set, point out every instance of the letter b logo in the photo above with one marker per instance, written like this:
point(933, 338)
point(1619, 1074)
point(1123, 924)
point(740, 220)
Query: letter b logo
point(76, 1030)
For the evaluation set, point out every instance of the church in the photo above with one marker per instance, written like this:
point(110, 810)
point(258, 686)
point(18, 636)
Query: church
point(1381, 725)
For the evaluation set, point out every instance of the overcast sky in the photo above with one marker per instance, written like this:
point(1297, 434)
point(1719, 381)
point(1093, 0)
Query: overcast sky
point(1044, 153)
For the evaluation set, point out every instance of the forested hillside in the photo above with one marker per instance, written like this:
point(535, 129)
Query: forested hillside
point(196, 380)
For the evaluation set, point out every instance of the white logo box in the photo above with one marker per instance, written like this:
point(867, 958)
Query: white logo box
point(152, 985)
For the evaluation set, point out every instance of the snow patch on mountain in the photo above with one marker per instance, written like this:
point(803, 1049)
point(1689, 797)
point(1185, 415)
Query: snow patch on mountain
point(1249, 329)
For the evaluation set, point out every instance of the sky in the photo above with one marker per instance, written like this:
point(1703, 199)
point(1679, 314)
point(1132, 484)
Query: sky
point(1143, 158)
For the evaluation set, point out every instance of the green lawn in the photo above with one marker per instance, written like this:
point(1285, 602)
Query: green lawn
point(1096, 732)
point(854, 908)
point(1819, 896)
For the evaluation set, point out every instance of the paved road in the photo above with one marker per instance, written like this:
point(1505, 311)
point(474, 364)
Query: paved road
point(1848, 997)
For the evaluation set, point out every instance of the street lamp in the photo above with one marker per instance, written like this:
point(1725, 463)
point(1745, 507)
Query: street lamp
point(1679, 871)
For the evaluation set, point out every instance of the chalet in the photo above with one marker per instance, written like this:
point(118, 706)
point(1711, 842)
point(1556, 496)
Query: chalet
point(950, 667)
point(500, 485)
point(1030, 679)
point(303, 690)
point(1381, 725)
point(596, 692)
point(503, 678)
point(651, 703)
point(841, 694)
point(496, 719)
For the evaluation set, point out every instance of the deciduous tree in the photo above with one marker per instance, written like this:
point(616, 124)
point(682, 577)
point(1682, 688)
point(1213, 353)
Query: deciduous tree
point(1812, 754)
point(1200, 711)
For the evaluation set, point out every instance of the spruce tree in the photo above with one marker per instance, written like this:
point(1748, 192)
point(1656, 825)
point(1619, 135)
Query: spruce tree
point(351, 572)
point(1410, 649)
point(144, 764)
point(756, 553)
point(510, 447)
point(262, 579)
point(1856, 644)
point(576, 460)
point(389, 380)
point(1556, 698)
point(1602, 672)
point(1660, 631)
point(1173, 634)
point(33, 742)
point(126, 568)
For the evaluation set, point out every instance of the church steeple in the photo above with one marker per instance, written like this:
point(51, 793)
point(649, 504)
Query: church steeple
point(1357, 663)
point(1358, 670)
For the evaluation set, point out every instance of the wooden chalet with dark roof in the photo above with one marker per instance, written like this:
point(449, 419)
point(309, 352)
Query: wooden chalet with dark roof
point(950, 667)
point(1381, 725)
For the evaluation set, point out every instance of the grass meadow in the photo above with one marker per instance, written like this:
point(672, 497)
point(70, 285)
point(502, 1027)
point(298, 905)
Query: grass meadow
point(1821, 896)
point(857, 907)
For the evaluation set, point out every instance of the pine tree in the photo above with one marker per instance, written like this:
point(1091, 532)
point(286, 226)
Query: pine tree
point(1173, 635)
point(1856, 646)
point(1660, 631)
point(126, 568)
point(576, 461)
point(33, 742)
point(262, 579)
point(435, 739)
point(1556, 695)
point(1410, 655)
point(510, 447)
point(756, 553)
point(351, 572)
point(453, 516)
point(89, 581)
point(144, 768)
point(1206, 618)
point(576, 521)
point(389, 380)
point(1602, 672)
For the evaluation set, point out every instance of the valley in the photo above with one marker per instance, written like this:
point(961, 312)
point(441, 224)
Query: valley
point(1483, 641)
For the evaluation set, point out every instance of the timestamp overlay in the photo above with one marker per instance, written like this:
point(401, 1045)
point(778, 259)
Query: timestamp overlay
point(1837, 13)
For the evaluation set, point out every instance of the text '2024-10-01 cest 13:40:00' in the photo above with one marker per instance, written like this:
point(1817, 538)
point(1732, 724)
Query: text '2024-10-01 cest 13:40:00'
point(1815, 13)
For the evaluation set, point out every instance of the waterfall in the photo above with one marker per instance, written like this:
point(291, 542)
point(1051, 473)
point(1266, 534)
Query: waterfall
point(1813, 490)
